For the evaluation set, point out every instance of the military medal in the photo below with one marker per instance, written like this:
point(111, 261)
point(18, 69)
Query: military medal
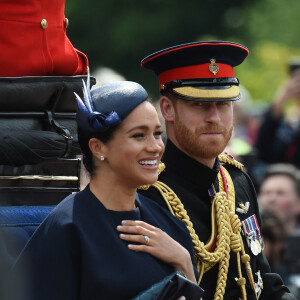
point(254, 248)
point(260, 238)
point(259, 285)
point(248, 234)
point(258, 245)
point(255, 239)
point(251, 233)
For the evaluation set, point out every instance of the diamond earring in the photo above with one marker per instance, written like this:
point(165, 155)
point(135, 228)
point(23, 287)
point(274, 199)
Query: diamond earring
point(101, 157)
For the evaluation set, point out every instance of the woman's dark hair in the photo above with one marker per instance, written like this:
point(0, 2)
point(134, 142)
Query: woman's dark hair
point(83, 139)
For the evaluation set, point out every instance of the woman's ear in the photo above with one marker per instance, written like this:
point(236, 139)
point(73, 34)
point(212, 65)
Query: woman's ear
point(97, 148)
point(167, 109)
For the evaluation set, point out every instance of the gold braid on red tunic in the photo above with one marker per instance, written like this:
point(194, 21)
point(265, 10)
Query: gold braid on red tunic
point(225, 235)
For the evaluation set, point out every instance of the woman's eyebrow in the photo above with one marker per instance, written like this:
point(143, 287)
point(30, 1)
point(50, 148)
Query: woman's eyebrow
point(142, 127)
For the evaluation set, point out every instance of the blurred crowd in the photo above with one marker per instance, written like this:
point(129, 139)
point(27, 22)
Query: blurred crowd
point(266, 140)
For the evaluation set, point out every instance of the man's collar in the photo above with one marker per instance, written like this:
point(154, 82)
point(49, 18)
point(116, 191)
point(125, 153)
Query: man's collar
point(183, 165)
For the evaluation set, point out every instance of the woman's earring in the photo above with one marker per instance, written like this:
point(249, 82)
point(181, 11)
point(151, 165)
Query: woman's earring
point(101, 157)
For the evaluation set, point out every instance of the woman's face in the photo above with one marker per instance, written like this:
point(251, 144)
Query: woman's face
point(136, 148)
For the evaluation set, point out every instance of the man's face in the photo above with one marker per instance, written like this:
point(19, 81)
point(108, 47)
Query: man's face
point(278, 193)
point(202, 129)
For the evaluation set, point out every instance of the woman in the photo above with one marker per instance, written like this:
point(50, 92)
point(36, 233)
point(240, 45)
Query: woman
point(105, 242)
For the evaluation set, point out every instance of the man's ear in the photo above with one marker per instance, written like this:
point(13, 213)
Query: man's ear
point(167, 109)
point(96, 147)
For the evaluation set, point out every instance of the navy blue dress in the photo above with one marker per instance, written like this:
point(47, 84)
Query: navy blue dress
point(77, 253)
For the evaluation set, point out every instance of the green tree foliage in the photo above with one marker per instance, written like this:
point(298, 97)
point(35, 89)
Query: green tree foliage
point(273, 20)
point(266, 68)
point(272, 31)
point(119, 33)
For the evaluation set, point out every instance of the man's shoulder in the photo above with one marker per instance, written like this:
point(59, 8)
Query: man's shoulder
point(227, 159)
point(235, 168)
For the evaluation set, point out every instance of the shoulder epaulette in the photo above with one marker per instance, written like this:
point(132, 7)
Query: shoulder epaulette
point(229, 159)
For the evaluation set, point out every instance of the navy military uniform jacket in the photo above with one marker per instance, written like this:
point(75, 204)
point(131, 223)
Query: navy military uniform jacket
point(190, 181)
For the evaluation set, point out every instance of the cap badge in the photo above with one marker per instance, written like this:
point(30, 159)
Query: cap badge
point(213, 67)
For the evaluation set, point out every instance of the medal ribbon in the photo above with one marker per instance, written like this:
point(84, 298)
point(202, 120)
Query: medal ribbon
point(247, 231)
point(251, 223)
point(211, 192)
point(256, 225)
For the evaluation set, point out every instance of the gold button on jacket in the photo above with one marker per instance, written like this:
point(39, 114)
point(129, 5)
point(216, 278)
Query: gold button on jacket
point(44, 23)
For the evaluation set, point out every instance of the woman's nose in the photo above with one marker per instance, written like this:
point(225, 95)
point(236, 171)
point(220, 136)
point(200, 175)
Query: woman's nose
point(155, 145)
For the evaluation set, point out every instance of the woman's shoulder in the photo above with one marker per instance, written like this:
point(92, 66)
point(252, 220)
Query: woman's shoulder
point(64, 208)
point(73, 208)
point(57, 228)
point(63, 213)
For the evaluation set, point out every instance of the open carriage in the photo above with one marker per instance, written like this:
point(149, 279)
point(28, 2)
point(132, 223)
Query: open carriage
point(39, 164)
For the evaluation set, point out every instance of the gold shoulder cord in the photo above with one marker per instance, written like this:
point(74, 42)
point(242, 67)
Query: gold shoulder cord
point(225, 233)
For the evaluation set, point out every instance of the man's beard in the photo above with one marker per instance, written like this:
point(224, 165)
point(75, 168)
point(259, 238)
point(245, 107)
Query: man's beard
point(197, 146)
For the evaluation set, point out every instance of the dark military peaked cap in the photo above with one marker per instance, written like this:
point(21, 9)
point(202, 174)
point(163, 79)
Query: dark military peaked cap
point(108, 105)
point(200, 71)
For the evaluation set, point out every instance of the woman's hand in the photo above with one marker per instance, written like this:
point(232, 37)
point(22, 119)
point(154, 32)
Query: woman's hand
point(156, 242)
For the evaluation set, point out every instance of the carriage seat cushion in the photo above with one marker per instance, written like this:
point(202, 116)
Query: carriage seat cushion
point(17, 224)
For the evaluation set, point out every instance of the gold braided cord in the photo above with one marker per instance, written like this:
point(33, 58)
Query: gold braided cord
point(178, 210)
point(231, 197)
point(228, 159)
point(246, 261)
point(237, 244)
point(226, 228)
point(202, 256)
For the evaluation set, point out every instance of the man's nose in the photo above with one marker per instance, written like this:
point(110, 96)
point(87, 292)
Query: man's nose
point(212, 114)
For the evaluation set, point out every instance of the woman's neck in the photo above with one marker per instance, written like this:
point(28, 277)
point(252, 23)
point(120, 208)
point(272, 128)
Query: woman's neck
point(112, 195)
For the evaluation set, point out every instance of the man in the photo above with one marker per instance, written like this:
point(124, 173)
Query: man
point(280, 192)
point(209, 191)
point(279, 134)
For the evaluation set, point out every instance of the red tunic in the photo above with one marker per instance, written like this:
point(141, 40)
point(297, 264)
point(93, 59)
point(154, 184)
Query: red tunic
point(33, 40)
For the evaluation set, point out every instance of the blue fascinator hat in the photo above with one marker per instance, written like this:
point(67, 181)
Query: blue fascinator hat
point(107, 105)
